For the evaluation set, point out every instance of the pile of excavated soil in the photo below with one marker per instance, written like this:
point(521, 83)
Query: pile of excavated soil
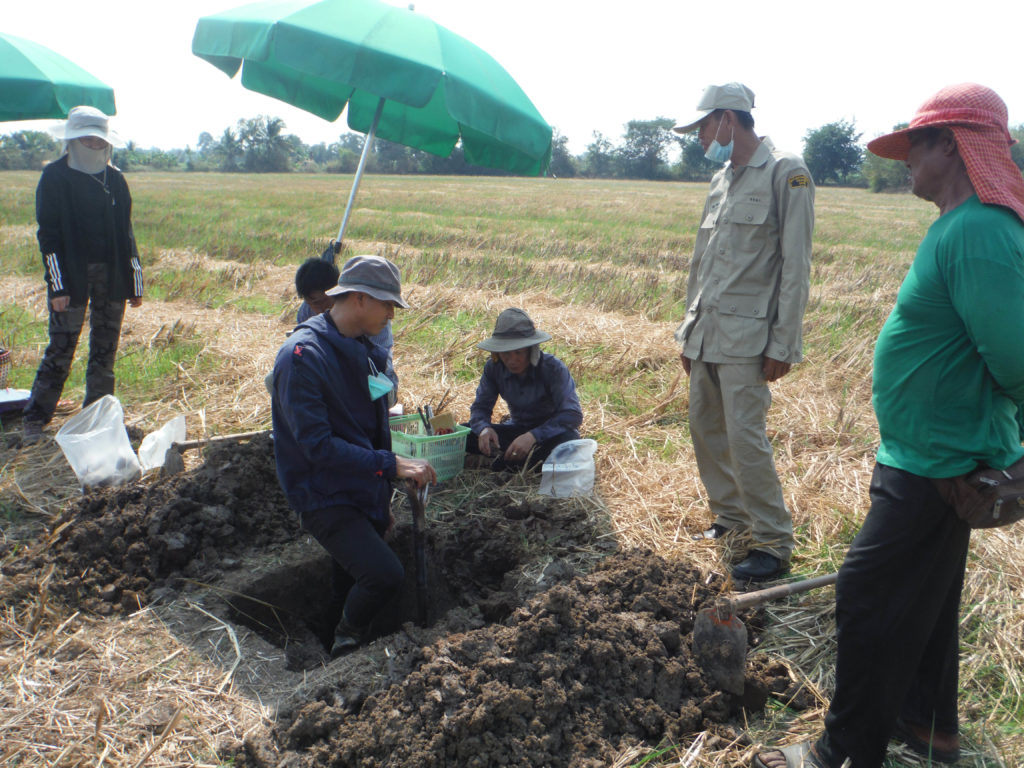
point(115, 546)
point(530, 656)
point(573, 677)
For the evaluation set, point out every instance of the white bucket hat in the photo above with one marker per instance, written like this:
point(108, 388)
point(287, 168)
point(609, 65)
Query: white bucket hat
point(87, 121)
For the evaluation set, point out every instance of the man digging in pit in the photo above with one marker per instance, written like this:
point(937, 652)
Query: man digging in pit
point(332, 441)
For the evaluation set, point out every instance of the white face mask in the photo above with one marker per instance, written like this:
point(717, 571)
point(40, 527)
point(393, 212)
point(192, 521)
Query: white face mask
point(86, 160)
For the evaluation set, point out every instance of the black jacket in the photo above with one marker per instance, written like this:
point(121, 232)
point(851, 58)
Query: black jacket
point(65, 259)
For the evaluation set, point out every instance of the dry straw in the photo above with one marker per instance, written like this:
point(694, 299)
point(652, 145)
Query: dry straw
point(75, 688)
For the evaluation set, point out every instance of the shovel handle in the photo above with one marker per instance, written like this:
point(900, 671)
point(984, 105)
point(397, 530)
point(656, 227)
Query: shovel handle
point(184, 445)
point(761, 596)
point(417, 500)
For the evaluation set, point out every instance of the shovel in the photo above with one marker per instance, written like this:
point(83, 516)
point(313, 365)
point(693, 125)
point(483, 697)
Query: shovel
point(720, 638)
point(418, 502)
point(173, 463)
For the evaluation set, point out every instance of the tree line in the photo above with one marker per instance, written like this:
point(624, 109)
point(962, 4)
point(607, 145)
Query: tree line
point(647, 149)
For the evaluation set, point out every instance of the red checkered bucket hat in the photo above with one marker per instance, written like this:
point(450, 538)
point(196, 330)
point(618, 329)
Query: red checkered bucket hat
point(979, 121)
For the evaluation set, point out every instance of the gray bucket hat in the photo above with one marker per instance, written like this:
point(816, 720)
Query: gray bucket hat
point(87, 121)
point(513, 330)
point(373, 275)
point(734, 96)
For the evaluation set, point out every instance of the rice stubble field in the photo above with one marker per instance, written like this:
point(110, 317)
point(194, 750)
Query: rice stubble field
point(602, 267)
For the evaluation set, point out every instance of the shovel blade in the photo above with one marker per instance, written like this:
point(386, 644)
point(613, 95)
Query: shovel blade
point(720, 648)
point(173, 463)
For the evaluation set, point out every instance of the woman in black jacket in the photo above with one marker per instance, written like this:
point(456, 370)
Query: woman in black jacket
point(90, 259)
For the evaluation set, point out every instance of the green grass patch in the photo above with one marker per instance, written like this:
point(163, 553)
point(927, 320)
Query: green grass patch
point(139, 369)
point(10, 512)
point(259, 305)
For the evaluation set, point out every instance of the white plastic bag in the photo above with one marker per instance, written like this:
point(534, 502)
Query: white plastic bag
point(569, 469)
point(96, 445)
point(154, 445)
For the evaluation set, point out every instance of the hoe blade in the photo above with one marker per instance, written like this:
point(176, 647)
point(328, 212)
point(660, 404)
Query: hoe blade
point(720, 647)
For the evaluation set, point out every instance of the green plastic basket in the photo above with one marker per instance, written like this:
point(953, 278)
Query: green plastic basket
point(446, 453)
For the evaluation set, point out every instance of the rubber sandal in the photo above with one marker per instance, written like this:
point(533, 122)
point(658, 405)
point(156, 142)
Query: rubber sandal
point(800, 755)
point(903, 733)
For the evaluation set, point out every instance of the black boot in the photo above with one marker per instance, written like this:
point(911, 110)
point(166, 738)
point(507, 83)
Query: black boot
point(347, 637)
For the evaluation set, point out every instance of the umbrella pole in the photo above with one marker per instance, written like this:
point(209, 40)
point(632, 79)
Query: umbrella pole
point(359, 173)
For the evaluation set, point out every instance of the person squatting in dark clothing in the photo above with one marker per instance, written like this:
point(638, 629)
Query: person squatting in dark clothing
point(544, 410)
point(332, 440)
point(90, 260)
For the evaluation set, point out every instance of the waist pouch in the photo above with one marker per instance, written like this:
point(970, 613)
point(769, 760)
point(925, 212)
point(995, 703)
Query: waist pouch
point(986, 498)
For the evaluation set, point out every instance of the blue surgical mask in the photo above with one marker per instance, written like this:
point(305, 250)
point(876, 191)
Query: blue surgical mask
point(716, 153)
point(379, 384)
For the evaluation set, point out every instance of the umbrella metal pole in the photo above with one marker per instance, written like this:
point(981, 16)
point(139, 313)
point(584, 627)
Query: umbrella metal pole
point(359, 173)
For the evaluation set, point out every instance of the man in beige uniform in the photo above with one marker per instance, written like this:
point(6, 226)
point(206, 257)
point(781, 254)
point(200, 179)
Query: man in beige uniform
point(746, 297)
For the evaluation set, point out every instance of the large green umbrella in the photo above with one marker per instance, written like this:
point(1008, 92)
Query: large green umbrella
point(36, 83)
point(403, 77)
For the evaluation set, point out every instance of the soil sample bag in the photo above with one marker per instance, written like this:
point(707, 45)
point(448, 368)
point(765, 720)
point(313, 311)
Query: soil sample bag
point(96, 445)
point(569, 470)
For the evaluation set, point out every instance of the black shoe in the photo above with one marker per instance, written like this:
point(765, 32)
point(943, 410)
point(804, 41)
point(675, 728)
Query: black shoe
point(346, 638)
point(759, 566)
point(716, 531)
point(904, 733)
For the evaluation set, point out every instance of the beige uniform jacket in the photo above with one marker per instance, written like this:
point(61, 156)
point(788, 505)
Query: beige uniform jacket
point(750, 275)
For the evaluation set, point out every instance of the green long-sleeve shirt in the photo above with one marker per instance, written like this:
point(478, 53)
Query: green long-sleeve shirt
point(949, 362)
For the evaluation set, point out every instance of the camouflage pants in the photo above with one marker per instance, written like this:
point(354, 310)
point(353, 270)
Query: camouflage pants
point(65, 327)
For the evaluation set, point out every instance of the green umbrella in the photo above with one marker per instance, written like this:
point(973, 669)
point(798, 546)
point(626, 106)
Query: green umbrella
point(403, 77)
point(36, 83)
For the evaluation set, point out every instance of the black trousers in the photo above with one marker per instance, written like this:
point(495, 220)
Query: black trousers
point(509, 432)
point(65, 327)
point(367, 573)
point(897, 620)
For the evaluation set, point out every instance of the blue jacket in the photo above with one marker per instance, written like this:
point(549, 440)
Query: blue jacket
point(332, 444)
point(384, 339)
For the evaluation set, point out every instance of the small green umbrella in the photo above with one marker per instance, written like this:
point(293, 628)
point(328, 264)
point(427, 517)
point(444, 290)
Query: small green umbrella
point(36, 83)
point(403, 77)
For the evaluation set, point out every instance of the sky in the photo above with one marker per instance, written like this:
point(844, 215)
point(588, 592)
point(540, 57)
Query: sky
point(587, 66)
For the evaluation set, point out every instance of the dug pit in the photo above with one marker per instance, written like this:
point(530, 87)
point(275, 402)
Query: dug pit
point(544, 644)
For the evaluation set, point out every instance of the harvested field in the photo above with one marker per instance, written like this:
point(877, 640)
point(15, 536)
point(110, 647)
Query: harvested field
point(183, 620)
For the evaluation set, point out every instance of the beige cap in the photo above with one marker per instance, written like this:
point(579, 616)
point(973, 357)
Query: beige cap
point(734, 96)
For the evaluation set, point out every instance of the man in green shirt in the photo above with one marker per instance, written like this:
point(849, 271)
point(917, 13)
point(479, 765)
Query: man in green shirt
point(948, 383)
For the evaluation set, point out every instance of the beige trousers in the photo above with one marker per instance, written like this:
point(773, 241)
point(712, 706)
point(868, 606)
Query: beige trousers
point(728, 410)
